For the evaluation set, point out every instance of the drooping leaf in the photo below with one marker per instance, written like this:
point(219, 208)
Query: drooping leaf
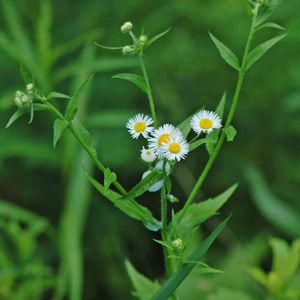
point(185, 269)
point(157, 37)
point(262, 49)
point(109, 178)
point(58, 129)
point(230, 132)
point(136, 79)
point(229, 57)
point(144, 287)
point(270, 25)
point(129, 206)
point(57, 95)
point(75, 100)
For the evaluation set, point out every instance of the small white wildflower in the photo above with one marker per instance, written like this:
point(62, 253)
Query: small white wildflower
point(140, 125)
point(126, 27)
point(176, 148)
point(148, 155)
point(205, 121)
point(162, 135)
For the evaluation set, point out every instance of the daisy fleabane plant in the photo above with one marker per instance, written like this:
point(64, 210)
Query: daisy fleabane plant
point(148, 155)
point(176, 148)
point(140, 124)
point(205, 121)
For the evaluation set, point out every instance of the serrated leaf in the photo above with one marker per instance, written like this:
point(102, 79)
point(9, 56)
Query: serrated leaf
point(128, 206)
point(109, 178)
point(109, 48)
point(22, 111)
point(138, 80)
point(144, 287)
point(185, 269)
point(58, 129)
point(75, 100)
point(262, 49)
point(230, 132)
point(157, 37)
point(229, 57)
point(57, 95)
point(270, 25)
point(145, 184)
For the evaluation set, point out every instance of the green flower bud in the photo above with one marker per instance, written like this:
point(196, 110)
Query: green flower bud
point(126, 27)
point(22, 99)
point(177, 244)
point(128, 50)
point(143, 39)
point(29, 88)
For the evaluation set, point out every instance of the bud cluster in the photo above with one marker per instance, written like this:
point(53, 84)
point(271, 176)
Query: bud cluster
point(23, 99)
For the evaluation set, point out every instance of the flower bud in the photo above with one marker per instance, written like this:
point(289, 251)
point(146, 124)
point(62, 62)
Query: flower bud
point(177, 244)
point(29, 88)
point(126, 27)
point(21, 99)
point(143, 39)
point(128, 50)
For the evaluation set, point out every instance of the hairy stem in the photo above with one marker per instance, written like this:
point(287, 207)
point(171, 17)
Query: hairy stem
point(232, 110)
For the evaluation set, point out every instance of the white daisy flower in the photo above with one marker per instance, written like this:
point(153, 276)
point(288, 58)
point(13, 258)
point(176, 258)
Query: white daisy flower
point(175, 149)
point(205, 121)
point(162, 135)
point(148, 155)
point(139, 125)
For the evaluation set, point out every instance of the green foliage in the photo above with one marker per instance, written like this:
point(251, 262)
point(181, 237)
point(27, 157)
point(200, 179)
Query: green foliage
point(230, 132)
point(138, 80)
point(156, 38)
point(58, 129)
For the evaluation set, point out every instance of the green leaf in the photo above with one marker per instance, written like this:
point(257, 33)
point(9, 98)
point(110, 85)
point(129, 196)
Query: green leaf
point(145, 184)
point(31, 111)
point(144, 287)
point(57, 95)
point(109, 178)
point(185, 269)
point(156, 37)
point(265, 12)
point(270, 25)
point(128, 206)
point(200, 212)
point(230, 132)
point(259, 275)
point(109, 48)
point(138, 80)
point(229, 57)
point(275, 210)
point(58, 129)
point(262, 49)
point(197, 144)
point(24, 110)
point(25, 75)
point(228, 294)
point(75, 100)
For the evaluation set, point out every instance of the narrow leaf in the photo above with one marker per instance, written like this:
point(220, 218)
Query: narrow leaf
point(185, 269)
point(270, 25)
point(229, 57)
point(197, 144)
point(109, 178)
point(75, 99)
point(58, 129)
point(138, 80)
point(157, 37)
point(31, 111)
point(230, 132)
point(260, 50)
point(57, 95)
point(107, 47)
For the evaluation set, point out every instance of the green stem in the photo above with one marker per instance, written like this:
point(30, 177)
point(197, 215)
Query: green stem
point(149, 91)
point(100, 166)
point(232, 110)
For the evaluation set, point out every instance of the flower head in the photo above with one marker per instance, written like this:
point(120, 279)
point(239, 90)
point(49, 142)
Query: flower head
point(176, 148)
point(126, 27)
point(148, 155)
point(205, 121)
point(162, 135)
point(139, 125)
point(128, 50)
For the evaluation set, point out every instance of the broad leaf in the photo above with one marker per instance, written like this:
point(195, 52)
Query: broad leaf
point(229, 57)
point(144, 287)
point(262, 49)
point(128, 206)
point(157, 37)
point(75, 100)
point(138, 80)
point(58, 129)
point(230, 132)
point(57, 95)
point(185, 269)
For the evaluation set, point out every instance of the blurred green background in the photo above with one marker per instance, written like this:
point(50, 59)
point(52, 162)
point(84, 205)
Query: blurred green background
point(61, 240)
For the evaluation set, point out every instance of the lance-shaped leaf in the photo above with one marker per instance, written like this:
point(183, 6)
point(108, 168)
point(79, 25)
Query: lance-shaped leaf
point(196, 144)
point(270, 25)
point(138, 80)
point(157, 37)
point(128, 206)
point(57, 95)
point(75, 100)
point(185, 269)
point(229, 57)
point(58, 129)
point(108, 47)
point(260, 50)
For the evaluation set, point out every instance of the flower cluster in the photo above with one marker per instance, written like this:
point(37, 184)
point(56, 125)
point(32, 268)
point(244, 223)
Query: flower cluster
point(167, 141)
point(23, 99)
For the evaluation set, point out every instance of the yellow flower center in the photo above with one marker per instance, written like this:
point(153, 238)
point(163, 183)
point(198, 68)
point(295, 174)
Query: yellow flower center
point(148, 152)
point(164, 138)
point(206, 123)
point(174, 148)
point(139, 126)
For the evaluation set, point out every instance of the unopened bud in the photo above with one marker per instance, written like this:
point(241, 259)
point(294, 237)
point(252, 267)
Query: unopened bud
point(128, 50)
point(126, 27)
point(143, 39)
point(29, 88)
point(21, 99)
point(177, 244)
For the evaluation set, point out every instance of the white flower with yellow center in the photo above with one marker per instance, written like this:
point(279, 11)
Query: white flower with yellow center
point(176, 148)
point(148, 155)
point(205, 121)
point(139, 125)
point(162, 135)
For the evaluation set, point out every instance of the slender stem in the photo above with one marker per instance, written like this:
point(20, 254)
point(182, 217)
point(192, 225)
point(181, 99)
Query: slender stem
point(221, 140)
point(100, 166)
point(149, 91)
